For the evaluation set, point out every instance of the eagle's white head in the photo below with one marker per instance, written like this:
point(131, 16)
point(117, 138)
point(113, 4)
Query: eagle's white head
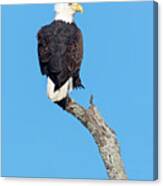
point(65, 11)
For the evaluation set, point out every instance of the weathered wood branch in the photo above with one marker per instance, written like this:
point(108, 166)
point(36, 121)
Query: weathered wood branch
point(103, 135)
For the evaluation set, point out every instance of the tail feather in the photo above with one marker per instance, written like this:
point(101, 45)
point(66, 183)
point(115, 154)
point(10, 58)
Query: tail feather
point(60, 96)
point(60, 93)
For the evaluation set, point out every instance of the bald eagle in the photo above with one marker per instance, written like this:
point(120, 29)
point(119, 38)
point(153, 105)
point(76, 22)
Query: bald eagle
point(60, 52)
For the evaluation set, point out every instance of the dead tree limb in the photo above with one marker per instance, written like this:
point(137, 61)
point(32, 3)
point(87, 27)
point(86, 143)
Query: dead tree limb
point(103, 135)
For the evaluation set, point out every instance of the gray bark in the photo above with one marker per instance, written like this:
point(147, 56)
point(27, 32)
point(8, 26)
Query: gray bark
point(103, 135)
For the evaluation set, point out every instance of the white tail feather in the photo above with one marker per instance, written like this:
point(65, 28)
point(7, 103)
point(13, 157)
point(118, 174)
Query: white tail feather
point(61, 93)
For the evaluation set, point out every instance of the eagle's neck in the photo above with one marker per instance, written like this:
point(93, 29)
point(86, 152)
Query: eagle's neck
point(68, 18)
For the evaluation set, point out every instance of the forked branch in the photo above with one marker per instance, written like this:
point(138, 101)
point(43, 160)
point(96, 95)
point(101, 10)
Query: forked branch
point(103, 135)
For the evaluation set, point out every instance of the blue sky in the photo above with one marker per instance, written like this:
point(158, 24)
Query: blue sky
point(41, 140)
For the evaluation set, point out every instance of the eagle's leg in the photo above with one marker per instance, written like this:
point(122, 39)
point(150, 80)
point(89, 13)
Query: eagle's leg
point(63, 103)
point(77, 81)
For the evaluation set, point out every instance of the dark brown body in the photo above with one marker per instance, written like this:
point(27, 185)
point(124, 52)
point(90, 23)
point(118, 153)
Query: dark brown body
point(60, 51)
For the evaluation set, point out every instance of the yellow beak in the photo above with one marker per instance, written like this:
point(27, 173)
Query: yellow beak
point(77, 7)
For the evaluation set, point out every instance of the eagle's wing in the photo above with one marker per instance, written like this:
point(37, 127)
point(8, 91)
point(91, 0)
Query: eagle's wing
point(43, 51)
point(74, 52)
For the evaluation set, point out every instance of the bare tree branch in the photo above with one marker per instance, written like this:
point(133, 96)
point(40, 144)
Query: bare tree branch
point(103, 135)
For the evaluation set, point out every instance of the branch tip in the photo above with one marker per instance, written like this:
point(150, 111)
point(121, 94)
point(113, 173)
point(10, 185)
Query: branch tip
point(91, 100)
